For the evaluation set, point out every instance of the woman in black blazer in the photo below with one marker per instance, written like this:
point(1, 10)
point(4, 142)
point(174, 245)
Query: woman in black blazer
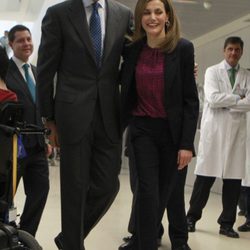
point(160, 105)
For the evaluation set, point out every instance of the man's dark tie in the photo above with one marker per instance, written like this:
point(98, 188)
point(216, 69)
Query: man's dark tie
point(30, 83)
point(96, 32)
point(232, 74)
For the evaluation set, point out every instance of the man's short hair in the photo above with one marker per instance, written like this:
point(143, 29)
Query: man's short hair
point(234, 40)
point(15, 29)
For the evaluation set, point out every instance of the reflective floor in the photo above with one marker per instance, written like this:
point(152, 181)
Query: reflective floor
point(109, 232)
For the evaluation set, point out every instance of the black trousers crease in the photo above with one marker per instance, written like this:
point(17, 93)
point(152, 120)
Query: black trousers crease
point(89, 182)
point(156, 167)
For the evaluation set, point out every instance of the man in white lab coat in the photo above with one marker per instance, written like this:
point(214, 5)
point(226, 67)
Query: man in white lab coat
point(222, 147)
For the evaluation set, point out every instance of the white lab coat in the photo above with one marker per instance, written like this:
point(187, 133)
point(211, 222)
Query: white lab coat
point(222, 146)
point(246, 180)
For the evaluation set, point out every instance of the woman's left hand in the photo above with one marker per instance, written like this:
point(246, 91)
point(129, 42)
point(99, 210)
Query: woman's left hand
point(184, 157)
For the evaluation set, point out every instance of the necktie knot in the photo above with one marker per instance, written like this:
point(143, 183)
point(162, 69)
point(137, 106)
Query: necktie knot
point(95, 6)
point(26, 67)
point(233, 70)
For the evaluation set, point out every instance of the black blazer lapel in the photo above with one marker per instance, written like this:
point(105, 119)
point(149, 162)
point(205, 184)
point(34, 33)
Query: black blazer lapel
point(78, 19)
point(19, 81)
point(170, 69)
point(33, 68)
point(131, 57)
point(169, 75)
point(112, 24)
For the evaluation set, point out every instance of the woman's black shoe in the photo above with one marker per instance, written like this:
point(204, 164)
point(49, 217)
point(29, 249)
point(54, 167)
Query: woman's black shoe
point(229, 232)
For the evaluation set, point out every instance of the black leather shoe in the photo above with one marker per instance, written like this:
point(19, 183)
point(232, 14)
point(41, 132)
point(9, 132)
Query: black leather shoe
point(245, 227)
point(190, 225)
point(229, 232)
point(59, 241)
point(183, 247)
point(129, 245)
point(241, 213)
point(129, 238)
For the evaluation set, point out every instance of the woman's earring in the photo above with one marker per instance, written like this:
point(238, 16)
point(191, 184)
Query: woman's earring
point(167, 24)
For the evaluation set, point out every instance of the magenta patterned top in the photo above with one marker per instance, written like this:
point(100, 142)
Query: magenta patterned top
point(150, 83)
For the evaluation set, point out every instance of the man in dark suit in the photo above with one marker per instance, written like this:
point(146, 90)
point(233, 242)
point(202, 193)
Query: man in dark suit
point(21, 79)
point(82, 42)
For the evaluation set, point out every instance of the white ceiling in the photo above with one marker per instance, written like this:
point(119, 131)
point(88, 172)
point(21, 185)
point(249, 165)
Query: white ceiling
point(195, 19)
point(20, 10)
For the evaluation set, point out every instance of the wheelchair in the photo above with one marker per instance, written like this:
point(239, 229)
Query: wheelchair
point(11, 128)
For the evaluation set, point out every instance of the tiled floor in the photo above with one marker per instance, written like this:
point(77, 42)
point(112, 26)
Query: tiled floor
point(109, 232)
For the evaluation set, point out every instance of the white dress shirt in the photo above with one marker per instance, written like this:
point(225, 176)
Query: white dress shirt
point(19, 63)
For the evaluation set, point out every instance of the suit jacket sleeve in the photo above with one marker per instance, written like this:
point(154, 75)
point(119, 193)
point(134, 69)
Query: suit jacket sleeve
point(190, 98)
point(49, 56)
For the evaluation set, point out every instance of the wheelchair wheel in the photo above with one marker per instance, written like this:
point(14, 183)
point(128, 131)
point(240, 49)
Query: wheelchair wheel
point(27, 241)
